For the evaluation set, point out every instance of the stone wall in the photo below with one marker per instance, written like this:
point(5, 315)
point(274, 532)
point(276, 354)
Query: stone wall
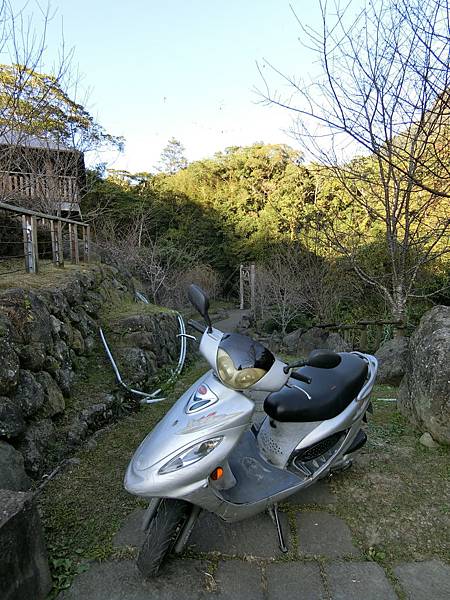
point(46, 338)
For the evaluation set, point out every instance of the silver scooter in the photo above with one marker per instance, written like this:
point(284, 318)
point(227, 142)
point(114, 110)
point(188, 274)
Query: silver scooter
point(205, 454)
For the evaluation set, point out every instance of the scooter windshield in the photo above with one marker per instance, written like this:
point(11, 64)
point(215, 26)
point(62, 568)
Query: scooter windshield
point(246, 353)
point(242, 362)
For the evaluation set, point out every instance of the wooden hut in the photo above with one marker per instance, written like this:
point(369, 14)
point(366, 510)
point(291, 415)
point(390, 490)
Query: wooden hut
point(41, 174)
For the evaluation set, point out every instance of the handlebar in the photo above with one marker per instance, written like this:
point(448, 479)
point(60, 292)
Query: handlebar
point(300, 377)
point(197, 326)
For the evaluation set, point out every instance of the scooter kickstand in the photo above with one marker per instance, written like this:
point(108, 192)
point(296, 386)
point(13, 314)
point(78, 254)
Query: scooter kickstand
point(273, 512)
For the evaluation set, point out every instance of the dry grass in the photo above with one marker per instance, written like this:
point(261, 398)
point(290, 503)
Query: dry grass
point(396, 498)
point(13, 275)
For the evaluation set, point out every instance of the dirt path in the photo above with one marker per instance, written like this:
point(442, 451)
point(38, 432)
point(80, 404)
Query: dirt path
point(231, 323)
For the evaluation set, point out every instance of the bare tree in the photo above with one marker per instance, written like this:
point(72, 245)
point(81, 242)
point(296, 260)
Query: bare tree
point(44, 129)
point(383, 93)
point(278, 290)
point(295, 282)
point(164, 269)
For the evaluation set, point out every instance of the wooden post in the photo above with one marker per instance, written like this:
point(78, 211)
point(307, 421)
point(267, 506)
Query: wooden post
point(59, 235)
point(252, 287)
point(75, 251)
point(400, 329)
point(27, 248)
point(363, 339)
point(56, 248)
point(241, 287)
point(71, 245)
point(350, 337)
point(86, 243)
point(378, 337)
point(29, 228)
point(55, 253)
point(34, 234)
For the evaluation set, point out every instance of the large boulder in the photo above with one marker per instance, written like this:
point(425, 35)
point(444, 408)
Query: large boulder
point(56, 301)
point(77, 342)
point(12, 422)
point(392, 357)
point(65, 379)
point(54, 403)
point(32, 356)
point(9, 361)
point(143, 343)
point(137, 366)
point(424, 394)
point(73, 292)
point(24, 570)
point(303, 342)
point(29, 394)
point(96, 416)
point(9, 367)
point(34, 446)
point(12, 472)
point(29, 315)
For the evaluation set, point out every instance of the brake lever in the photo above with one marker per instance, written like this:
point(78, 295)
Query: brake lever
point(297, 363)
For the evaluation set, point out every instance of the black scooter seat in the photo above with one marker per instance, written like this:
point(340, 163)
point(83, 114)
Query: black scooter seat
point(328, 394)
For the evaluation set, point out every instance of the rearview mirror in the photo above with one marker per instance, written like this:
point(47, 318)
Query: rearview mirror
point(200, 301)
point(323, 359)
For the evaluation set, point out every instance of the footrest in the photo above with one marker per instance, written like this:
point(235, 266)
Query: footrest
point(256, 479)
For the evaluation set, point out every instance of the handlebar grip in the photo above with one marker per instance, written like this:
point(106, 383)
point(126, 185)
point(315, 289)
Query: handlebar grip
point(300, 377)
point(196, 325)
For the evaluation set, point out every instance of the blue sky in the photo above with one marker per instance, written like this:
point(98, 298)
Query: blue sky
point(157, 69)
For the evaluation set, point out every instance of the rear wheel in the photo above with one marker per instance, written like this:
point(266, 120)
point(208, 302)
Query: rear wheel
point(161, 535)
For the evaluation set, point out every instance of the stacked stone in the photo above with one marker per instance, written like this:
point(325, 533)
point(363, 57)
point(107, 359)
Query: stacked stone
point(45, 337)
point(145, 343)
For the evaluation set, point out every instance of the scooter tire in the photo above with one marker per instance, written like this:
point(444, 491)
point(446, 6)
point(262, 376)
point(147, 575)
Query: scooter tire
point(161, 535)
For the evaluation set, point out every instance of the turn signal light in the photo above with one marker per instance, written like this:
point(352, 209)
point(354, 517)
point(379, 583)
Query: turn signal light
point(216, 474)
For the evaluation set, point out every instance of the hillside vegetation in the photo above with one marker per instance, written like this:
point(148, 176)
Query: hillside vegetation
point(319, 251)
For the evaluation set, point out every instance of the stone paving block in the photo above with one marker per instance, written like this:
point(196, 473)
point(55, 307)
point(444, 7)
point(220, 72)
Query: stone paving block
point(294, 581)
point(325, 534)
point(131, 534)
point(236, 579)
point(319, 493)
point(357, 580)
point(429, 580)
point(179, 580)
point(251, 537)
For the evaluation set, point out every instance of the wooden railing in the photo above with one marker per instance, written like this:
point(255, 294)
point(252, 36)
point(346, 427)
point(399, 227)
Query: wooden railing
point(35, 185)
point(363, 335)
point(57, 227)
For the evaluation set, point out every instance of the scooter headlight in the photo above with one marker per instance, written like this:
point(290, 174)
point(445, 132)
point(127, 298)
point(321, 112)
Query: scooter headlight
point(234, 378)
point(190, 456)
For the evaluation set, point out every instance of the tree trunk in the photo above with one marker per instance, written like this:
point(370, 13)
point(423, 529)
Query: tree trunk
point(398, 309)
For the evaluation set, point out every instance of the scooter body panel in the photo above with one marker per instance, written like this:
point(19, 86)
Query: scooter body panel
point(227, 418)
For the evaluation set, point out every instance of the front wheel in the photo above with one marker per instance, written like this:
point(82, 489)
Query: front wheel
point(161, 535)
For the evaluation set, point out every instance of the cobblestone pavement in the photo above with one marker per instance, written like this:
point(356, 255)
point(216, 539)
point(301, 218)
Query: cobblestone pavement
point(242, 560)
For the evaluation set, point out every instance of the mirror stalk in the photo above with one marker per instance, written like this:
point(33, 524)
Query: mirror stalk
point(200, 301)
point(297, 363)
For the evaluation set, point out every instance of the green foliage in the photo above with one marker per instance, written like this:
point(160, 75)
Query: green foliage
point(172, 157)
point(36, 104)
point(247, 203)
point(64, 569)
